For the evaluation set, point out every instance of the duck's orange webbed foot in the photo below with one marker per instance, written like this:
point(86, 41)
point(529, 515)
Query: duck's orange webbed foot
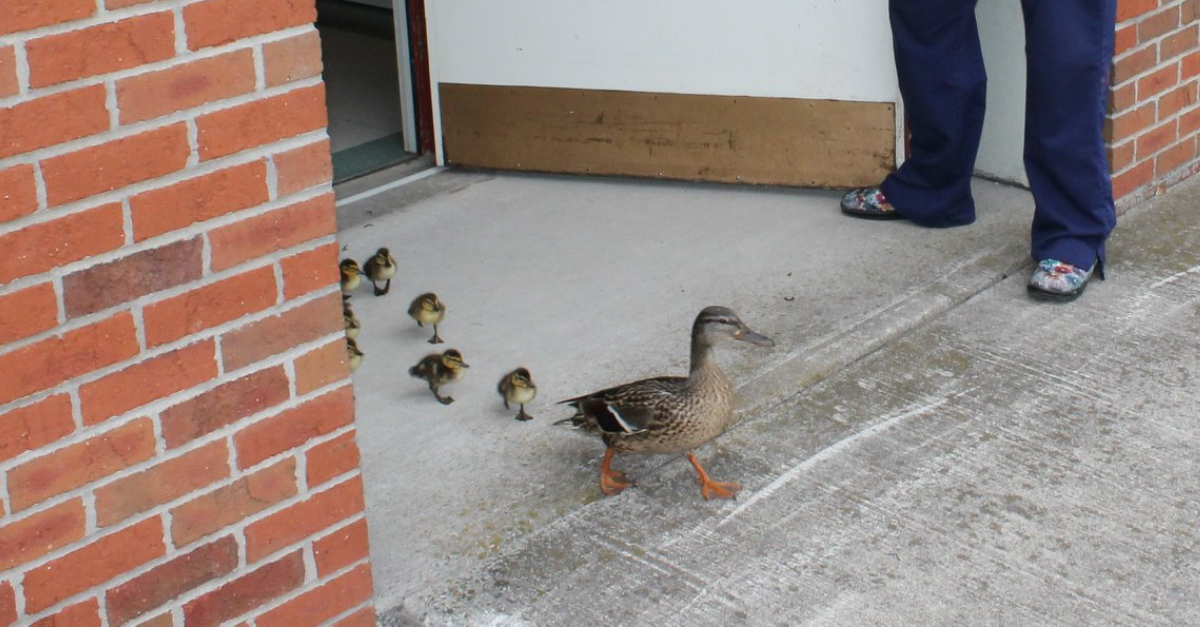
point(710, 488)
point(612, 482)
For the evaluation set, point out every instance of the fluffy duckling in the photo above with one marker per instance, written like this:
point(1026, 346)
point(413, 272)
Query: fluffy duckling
point(353, 326)
point(351, 276)
point(427, 309)
point(380, 267)
point(354, 356)
point(518, 387)
point(438, 370)
point(669, 414)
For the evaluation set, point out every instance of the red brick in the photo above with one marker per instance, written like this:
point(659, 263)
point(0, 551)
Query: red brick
point(100, 49)
point(262, 339)
point(224, 405)
point(209, 306)
point(20, 16)
point(120, 4)
point(52, 120)
point(85, 614)
point(79, 464)
point(1175, 157)
point(93, 564)
point(130, 277)
point(304, 167)
point(261, 121)
point(216, 22)
point(8, 604)
point(294, 427)
point(322, 603)
point(293, 524)
point(147, 381)
point(1189, 66)
point(1125, 40)
point(163, 583)
point(1155, 140)
point(292, 59)
point(216, 510)
point(332, 459)
point(246, 592)
point(1128, 124)
point(18, 192)
point(1120, 157)
point(341, 548)
point(115, 164)
point(262, 235)
point(48, 245)
point(310, 271)
point(1189, 10)
point(27, 312)
point(34, 426)
point(1176, 100)
point(34, 536)
point(184, 86)
point(1129, 9)
point(162, 483)
point(1132, 179)
point(1180, 43)
point(1157, 81)
point(162, 620)
point(198, 199)
point(321, 366)
point(364, 617)
point(1122, 98)
point(1159, 24)
point(45, 364)
point(1133, 64)
point(8, 72)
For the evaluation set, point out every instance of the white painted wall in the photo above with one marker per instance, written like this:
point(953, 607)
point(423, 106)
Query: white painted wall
point(1002, 33)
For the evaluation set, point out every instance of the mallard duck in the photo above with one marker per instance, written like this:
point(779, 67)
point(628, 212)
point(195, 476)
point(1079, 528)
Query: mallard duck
point(353, 326)
point(668, 414)
point(354, 356)
point(518, 387)
point(380, 267)
point(351, 276)
point(427, 309)
point(439, 369)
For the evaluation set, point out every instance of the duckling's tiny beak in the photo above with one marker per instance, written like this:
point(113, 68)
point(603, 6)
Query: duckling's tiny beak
point(464, 364)
point(755, 338)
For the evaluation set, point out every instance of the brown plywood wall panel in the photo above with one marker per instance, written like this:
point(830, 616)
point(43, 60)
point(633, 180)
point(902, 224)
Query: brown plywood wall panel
point(775, 141)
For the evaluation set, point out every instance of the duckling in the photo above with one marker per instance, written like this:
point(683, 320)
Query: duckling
point(668, 414)
point(440, 369)
point(427, 309)
point(354, 356)
point(380, 267)
point(518, 387)
point(353, 326)
point(351, 276)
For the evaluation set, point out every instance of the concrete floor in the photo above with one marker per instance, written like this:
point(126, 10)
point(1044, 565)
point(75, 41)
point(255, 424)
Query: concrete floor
point(923, 446)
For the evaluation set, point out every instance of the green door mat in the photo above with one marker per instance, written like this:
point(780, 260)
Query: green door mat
point(372, 156)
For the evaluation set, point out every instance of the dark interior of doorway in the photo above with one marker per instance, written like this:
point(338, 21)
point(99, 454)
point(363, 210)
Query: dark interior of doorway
point(358, 45)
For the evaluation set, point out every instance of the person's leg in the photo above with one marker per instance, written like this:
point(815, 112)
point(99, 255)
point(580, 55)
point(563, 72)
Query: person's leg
point(1069, 47)
point(942, 80)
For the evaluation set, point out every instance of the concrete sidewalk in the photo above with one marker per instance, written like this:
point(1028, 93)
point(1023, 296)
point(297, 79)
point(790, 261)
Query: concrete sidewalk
point(925, 445)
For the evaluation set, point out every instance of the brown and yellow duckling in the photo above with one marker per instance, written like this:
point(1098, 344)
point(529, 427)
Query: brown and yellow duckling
point(353, 326)
point(380, 267)
point(438, 369)
point(669, 414)
point(351, 276)
point(427, 309)
point(354, 356)
point(518, 387)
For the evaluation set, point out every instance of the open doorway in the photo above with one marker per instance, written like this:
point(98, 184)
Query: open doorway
point(368, 82)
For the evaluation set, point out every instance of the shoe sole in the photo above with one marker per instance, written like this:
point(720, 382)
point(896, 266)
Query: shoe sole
point(1056, 297)
point(872, 215)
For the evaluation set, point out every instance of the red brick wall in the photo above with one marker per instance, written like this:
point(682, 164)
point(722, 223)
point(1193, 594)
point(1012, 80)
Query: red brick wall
point(1154, 118)
point(176, 423)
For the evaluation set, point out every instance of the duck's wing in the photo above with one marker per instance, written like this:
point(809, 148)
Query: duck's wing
point(625, 409)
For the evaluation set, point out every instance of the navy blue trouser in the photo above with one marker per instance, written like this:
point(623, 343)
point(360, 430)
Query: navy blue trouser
point(1069, 46)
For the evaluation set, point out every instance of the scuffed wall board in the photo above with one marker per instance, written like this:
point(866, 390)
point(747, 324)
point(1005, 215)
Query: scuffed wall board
point(777, 141)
